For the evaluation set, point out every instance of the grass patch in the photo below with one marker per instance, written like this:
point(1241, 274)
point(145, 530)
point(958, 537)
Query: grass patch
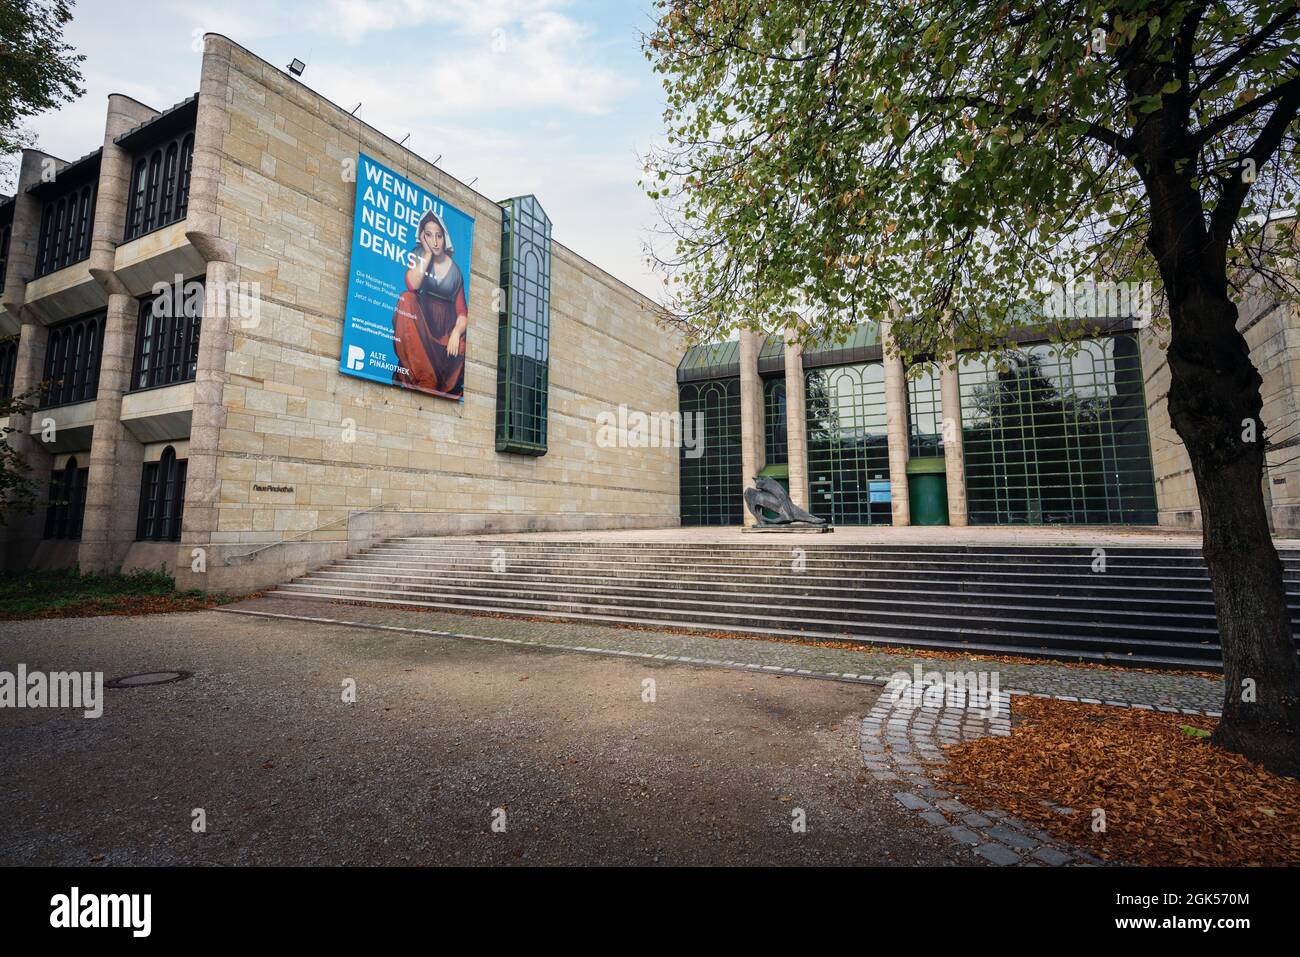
point(66, 593)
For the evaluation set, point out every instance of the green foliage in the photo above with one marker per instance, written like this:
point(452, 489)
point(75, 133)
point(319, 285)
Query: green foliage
point(65, 591)
point(18, 493)
point(38, 70)
point(27, 592)
point(824, 161)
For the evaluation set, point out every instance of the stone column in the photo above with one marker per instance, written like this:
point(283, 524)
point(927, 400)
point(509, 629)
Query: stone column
point(116, 456)
point(203, 230)
point(954, 454)
point(896, 423)
point(796, 421)
point(22, 534)
point(753, 454)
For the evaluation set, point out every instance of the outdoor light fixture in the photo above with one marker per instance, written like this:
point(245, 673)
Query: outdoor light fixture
point(296, 67)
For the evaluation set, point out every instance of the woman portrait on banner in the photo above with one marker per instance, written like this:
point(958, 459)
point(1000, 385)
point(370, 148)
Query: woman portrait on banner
point(431, 317)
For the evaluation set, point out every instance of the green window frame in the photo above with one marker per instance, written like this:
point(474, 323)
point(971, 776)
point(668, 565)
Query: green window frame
point(775, 436)
point(1057, 434)
point(524, 328)
point(711, 489)
point(924, 413)
point(848, 444)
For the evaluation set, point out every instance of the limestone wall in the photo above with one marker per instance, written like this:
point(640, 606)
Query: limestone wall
point(1272, 329)
point(284, 202)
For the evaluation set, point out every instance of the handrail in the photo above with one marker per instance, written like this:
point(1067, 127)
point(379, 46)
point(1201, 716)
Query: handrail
point(231, 559)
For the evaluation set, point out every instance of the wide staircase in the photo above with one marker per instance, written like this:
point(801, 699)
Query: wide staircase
point(1149, 606)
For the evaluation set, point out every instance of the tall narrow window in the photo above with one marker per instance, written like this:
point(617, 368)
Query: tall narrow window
point(72, 354)
point(167, 337)
point(162, 499)
point(8, 364)
point(6, 232)
point(67, 508)
point(67, 221)
point(524, 329)
point(160, 185)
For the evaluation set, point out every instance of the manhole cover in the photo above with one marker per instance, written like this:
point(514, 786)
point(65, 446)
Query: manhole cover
point(147, 678)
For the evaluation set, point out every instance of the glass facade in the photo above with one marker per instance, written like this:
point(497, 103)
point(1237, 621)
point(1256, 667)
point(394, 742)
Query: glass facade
point(1057, 434)
point(524, 330)
point(774, 435)
point(711, 482)
point(848, 448)
point(1051, 433)
point(924, 414)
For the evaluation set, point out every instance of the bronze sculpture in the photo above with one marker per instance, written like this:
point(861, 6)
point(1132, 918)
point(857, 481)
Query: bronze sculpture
point(770, 494)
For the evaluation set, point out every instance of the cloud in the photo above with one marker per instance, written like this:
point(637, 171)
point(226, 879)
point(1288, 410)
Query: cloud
point(493, 55)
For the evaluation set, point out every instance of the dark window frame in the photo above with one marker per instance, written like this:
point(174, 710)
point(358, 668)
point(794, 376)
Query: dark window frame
point(8, 365)
point(67, 222)
point(524, 329)
point(67, 506)
point(159, 192)
point(6, 235)
point(173, 338)
point(162, 498)
point(73, 351)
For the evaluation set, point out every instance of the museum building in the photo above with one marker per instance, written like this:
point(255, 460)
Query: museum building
point(207, 312)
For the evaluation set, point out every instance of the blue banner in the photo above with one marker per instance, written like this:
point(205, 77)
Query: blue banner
point(406, 317)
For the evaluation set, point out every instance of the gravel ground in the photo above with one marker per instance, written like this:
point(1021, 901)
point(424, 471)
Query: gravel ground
point(442, 733)
point(1163, 689)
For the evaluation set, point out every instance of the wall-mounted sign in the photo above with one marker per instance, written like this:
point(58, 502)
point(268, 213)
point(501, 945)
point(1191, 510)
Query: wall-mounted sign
point(407, 311)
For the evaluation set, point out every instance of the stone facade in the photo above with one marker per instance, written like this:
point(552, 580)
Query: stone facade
point(281, 446)
point(1272, 330)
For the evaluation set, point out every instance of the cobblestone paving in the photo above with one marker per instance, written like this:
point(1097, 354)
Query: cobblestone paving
point(1165, 691)
point(904, 737)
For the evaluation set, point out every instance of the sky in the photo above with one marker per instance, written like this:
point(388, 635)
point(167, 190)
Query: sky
point(550, 97)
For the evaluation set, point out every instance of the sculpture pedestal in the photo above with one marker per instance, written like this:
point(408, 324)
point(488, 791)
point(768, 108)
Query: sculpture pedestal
point(785, 529)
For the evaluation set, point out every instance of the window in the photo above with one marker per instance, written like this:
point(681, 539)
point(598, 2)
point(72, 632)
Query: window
point(524, 332)
point(67, 506)
point(775, 439)
point(6, 231)
point(166, 339)
point(162, 499)
point(925, 414)
point(66, 223)
point(160, 186)
point(8, 362)
point(1057, 434)
point(710, 475)
point(72, 354)
point(848, 445)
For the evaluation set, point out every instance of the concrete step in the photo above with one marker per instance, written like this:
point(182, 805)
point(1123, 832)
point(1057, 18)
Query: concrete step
point(1151, 605)
point(1150, 654)
point(879, 611)
point(985, 572)
point(797, 591)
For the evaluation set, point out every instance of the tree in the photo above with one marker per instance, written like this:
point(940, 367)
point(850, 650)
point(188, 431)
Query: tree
point(18, 493)
point(38, 70)
point(944, 160)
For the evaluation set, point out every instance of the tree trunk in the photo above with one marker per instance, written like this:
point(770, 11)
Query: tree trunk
point(1214, 405)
